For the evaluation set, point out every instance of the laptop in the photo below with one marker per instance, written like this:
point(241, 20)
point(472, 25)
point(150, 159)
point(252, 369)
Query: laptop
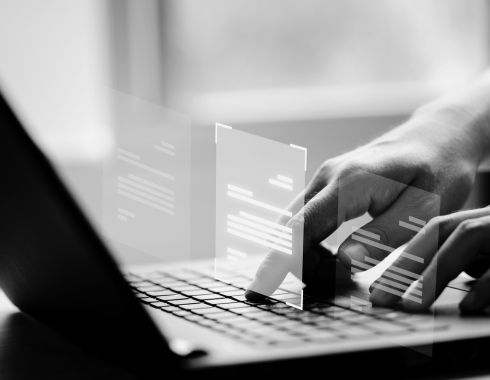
point(165, 318)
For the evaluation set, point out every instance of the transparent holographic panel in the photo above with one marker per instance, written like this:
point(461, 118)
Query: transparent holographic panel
point(256, 182)
point(146, 193)
point(398, 268)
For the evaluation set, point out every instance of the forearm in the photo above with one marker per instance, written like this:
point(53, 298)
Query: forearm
point(466, 114)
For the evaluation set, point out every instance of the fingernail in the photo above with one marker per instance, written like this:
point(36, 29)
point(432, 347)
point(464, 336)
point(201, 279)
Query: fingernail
point(355, 251)
point(255, 297)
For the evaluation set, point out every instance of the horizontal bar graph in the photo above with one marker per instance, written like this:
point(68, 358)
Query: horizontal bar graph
point(366, 233)
point(166, 148)
point(266, 222)
point(242, 195)
point(372, 243)
point(413, 224)
point(145, 192)
point(409, 256)
point(259, 241)
point(151, 184)
point(259, 234)
point(135, 160)
point(260, 231)
point(235, 255)
point(260, 227)
point(125, 215)
point(394, 280)
point(418, 221)
point(282, 182)
point(240, 190)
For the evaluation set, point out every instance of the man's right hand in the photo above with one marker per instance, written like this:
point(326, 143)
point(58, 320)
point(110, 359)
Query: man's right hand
point(438, 150)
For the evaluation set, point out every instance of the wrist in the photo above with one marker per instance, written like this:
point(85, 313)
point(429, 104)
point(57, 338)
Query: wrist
point(462, 119)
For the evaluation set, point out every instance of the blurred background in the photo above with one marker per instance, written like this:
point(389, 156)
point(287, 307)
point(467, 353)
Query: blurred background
point(325, 74)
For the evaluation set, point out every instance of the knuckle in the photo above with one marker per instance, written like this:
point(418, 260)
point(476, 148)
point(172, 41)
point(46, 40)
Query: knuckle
point(470, 227)
point(325, 167)
point(296, 221)
point(436, 222)
point(322, 175)
point(324, 171)
point(429, 174)
point(441, 224)
point(352, 169)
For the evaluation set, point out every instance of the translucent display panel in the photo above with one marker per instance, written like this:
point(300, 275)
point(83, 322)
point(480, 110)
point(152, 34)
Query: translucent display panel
point(256, 181)
point(146, 202)
point(392, 269)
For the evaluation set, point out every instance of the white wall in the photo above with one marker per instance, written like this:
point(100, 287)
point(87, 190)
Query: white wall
point(51, 64)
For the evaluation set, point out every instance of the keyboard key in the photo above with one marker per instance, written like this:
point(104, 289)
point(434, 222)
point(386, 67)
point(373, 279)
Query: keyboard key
point(147, 299)
point(209, 310)
point(220, 301)
point(186, 301)
point(186, 288)
point(158, 304)
point(193, 317)
point(148, 289)
point(161, 292)
point(194, 306)
point(221, 316)
point(210, 296)
point(169, 308)
point(240, 298)
point(235, 292)
point(172, 297)
point(200, 292)
point(215, 285)
point(224, 288)
point(236, 305)
point(181, 313)
point(248, 310)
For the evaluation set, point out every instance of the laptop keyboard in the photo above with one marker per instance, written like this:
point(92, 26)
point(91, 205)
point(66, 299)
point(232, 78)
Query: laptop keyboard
point(221, 306)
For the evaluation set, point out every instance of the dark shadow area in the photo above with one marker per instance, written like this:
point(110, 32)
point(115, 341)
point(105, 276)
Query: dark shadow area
point(30, 350)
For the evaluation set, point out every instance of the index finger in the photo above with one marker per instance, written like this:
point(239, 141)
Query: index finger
point(276, 265)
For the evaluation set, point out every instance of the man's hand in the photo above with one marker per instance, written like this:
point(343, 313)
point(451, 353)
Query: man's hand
point(438, 150)
point(464, 245)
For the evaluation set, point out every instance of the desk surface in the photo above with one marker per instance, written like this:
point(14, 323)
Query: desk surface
point(30, 350)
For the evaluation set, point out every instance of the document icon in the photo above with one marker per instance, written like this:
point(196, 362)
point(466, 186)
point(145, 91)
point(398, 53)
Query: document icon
point(146, 204)
point(256, 181)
